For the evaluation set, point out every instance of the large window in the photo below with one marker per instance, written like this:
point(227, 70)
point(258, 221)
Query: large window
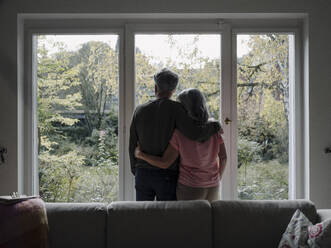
point(83, 85)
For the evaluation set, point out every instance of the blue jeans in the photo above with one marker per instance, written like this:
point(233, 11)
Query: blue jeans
point(155, 183)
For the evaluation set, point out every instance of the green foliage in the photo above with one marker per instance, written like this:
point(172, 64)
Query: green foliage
point(248, 152)
point(98, 184)
point(144, 78)
point(73, 150)
point(263, 95)
point(98, 75)
point(56, 80)
point(263, 108)
point(58, 176)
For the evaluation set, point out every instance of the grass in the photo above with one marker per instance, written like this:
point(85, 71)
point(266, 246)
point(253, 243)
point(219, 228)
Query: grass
point(264, 180)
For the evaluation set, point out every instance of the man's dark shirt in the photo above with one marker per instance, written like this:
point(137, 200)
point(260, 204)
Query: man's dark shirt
point(153, 124)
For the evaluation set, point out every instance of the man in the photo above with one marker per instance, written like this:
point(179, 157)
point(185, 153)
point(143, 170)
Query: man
point(152, 126)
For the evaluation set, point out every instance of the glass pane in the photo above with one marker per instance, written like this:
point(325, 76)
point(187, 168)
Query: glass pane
point(77, 81)
point(194, 57)
point(263, 115)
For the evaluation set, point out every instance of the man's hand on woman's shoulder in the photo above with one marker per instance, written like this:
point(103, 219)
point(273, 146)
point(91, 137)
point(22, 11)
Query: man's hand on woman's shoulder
point(216, 125)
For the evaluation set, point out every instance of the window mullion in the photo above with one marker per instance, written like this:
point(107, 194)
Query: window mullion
point(129, 79)
point(228, 110)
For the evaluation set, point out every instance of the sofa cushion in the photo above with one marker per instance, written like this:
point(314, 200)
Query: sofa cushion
point(323, 214)
point(159, 224)
point(77, 225)
point(255, 223)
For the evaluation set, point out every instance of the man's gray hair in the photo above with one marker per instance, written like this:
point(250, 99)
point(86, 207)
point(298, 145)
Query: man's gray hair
point(166, 80)
point(195, 104)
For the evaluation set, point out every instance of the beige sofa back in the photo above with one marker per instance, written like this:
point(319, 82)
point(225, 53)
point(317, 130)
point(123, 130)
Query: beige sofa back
point(193, 224)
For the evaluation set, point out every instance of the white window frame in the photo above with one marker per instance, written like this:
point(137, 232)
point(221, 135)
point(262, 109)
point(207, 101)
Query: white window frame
point(297, 183)
point(126, 25)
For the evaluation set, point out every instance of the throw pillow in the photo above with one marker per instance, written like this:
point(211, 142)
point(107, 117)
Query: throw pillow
point(296, 234)
point(301, 233)
point(24, 224)
point(320, 234)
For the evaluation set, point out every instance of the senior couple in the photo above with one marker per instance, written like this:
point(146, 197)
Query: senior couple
point(176, 152)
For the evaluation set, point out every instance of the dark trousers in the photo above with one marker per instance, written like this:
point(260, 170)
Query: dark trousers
point(156, 184)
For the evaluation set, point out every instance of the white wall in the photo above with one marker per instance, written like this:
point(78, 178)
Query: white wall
point(319, 68)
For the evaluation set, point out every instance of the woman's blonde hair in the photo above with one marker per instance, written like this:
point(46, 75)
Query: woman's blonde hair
point(195, 104)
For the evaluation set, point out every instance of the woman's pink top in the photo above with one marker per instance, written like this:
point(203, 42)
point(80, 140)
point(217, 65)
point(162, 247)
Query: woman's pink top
point(198, 161)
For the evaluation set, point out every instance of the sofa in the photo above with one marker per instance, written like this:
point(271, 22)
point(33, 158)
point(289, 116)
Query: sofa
point(190, 224)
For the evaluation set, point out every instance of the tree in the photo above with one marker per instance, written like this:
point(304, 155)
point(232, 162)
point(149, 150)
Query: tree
point(267, 67)
point(144, 77)
point(56, 82)
point(98, 75)
point(263, 93)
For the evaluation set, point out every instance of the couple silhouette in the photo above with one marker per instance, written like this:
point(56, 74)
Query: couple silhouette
point(176, 151)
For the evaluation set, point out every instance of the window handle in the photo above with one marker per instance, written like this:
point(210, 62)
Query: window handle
point(227, 121)
point(328, 150)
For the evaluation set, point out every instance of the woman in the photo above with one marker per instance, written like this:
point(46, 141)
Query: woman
point(200, 171)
